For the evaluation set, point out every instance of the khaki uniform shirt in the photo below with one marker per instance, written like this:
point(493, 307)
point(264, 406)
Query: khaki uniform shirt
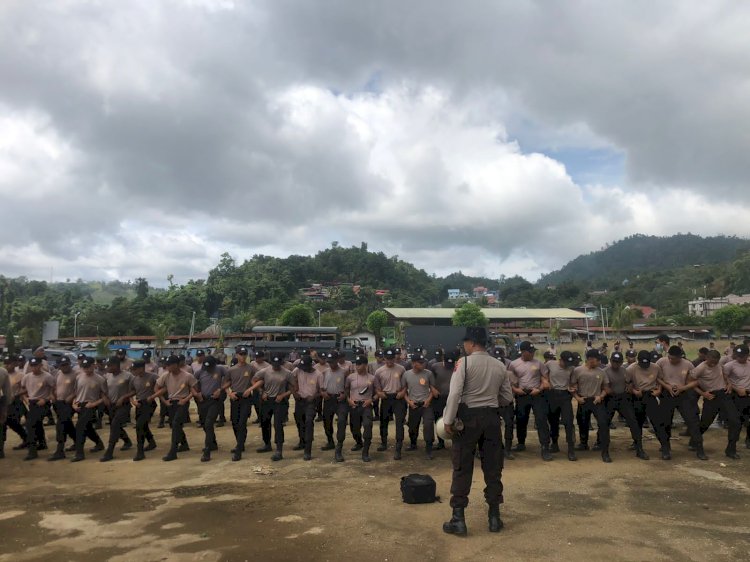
point(390, 379)
point(418, 384)
point(709, 378)
point(479, 381)
point(738, 374)
point(642, 379)
point(65, 385)
point(178, 386)
point(589, 382)
point(38, 387)
point(90, 388)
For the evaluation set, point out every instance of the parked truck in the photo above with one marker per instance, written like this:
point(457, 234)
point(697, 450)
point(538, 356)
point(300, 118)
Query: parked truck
point(447, 338)
point(285, 339)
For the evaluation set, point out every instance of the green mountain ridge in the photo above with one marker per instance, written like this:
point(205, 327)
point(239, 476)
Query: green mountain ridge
point(641, 253)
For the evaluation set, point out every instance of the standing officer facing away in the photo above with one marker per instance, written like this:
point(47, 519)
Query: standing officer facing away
point(479, 386)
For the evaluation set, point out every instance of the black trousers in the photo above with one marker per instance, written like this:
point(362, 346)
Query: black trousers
point(560, 408)
point(602, 421)
point(742, 405)
point(333, 406)
point(426, 416)
point(16, 412)
point(397, 407)
point(239, 411)
point(438, 406)
point(85, 428)
point(222, 399)
point(361, 420)
point(278, 412)
point(64, 427)
point(723, 403)
point(646, 406)
point(143, 414)
point(688, 409)
point(178, 413)
point(304, 418)
point(208, 410)
point(524, 405)
point(119, 416)
point(623, 404)
point(479, 424)
point(35, 423)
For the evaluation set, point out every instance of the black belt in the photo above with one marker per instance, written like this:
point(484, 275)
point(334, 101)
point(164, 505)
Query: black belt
point(483, 409)
point(360, 402)
point(391, 395)
point(419, 404)
point(35, 401)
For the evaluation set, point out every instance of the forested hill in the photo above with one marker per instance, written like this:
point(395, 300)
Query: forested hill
point(640, 253)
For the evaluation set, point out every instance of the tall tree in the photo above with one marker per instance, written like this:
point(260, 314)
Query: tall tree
point(376, 321)
point(730, 319)
point(469, 315)
point(297, 315)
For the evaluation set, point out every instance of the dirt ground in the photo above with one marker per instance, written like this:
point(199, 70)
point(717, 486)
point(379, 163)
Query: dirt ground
point(256, 509)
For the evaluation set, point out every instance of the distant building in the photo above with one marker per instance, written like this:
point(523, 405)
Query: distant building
point(646, 311)
point(706, 307)
point(479, 292)
point(453, 293)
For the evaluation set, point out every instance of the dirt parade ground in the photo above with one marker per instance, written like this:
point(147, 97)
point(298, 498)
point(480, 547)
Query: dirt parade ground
point(256, 509)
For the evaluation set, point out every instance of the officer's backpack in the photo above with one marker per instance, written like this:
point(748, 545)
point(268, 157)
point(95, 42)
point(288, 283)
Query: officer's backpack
point(418, 488)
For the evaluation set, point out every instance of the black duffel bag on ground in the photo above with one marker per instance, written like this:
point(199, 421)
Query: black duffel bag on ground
point(418, 488)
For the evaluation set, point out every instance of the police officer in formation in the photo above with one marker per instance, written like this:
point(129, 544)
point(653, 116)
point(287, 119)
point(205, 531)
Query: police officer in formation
point(412, 393)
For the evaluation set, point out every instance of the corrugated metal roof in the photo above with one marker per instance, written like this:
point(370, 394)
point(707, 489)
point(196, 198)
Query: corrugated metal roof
point(490, 313)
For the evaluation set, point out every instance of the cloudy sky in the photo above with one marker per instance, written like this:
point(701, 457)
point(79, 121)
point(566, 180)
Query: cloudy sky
point(146, 137)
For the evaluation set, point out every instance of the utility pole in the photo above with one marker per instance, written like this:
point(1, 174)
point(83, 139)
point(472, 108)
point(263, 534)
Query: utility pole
point(192, 328)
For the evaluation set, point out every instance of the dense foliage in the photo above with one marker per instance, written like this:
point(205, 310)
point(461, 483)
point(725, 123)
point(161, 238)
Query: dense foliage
point(266, 290)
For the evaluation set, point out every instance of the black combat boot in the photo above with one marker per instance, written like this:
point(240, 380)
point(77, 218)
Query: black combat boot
point(299, 446)
point(519, 447)
point(700, 453)
point(666, 453)
point(582, 446)
point(357, 446)
point(493, 517)
point(31, 454)
point(428, 451)
point(605, 456)
point(366, 452)
point(277, 456)
point(554, 447)
point(151, 445)
point(412, 445)
point(108, 454)
point(383, 445)
point(206, 456)
point(545, 453)
point(731, 450)
point(139, 454)
point(440, 445)
point(508, 449)
point(640, 453)
point(457, 524)
point(572, 452)
point(59, 453)
point(397, 453)
point(328, 446)
point(338, 457)
point(266, 448)
point(127, 445)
